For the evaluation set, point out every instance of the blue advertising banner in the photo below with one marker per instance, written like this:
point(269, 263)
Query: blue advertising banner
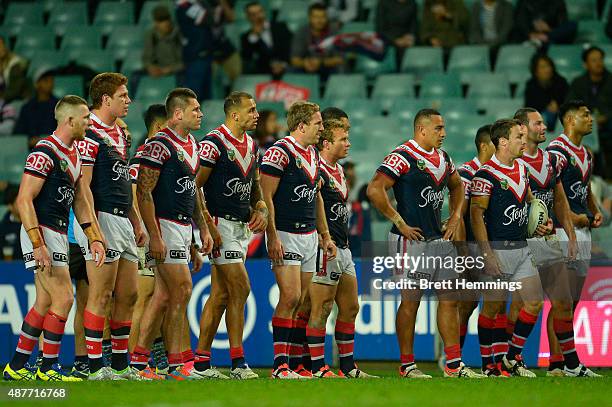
point(374, 337)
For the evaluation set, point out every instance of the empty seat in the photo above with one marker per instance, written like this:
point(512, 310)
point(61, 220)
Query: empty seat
point(346, 86)
point(393, 86)
point(35, 38)
point(151, 88)
point(566, 57)
point(358, 109)
point(247, 83)
point(591, 31)
point(23, 14)
point(110, 14)
point(371, 68)
point(88, 38)
point(455, 108)
point(310, 81)
point(499, 107)
point(99, 61)
point(461, 132)
point(514, 57)
point(581, 9)
point(46, 60)
point(469, 58)
point(277, 107)
point(421, 60)
point(294, 13)
point(68, 85)
point(126, 41)
point(489, 85)
point(213, 114)
point(69, 14)
point(130, 65)
point(381, 133)
point(440, 85)
point(357, 27)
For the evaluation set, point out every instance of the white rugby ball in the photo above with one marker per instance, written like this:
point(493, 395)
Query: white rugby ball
point(538, 215)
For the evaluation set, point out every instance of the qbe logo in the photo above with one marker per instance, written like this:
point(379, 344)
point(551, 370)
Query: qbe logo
point(199, 295)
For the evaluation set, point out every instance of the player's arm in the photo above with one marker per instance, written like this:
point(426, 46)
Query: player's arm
point(594, 209)
point(327, 243)
point(457, 196)
point(478, 206)
point(259, 209)
point(147, 181)
point(200, 220)
point(134, 217)
point(87, 219)
point(377, 193)
point(28, 191)
point(201, 179)
point(269, 186)
point(563, 215)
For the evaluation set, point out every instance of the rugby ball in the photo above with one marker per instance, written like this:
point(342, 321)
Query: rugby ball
point(538, 215)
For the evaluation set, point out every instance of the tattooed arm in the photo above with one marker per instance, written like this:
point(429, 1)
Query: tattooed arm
point(147, 180)
point(259, 209)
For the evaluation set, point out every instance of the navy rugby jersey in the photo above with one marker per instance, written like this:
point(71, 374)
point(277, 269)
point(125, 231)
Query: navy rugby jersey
point(334, 192)
point(420, 179)
point(60, 167)
point(298, 170)
point(543, 176)
point(576, 166)
point(507, 188)
point(105, 148)
point(135, 163)
point(467, 172)
point(177, 161)
point(234, 165)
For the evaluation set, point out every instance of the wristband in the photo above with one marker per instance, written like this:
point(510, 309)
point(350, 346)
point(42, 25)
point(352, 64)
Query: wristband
point(397, 220)
point(93, 234)
point(35, 237)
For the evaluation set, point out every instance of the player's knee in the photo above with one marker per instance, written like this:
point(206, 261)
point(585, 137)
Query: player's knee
point(239, 293)
point(348, 311)
point(184, 292)
point(100, 297)
point(63, 300)
point(408, 306)
point(326, 308)
point(290, 301)
point(533, 307)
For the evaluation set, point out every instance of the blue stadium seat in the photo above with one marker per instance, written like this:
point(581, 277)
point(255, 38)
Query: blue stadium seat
point(499, 107)
point(213, 114)
point(130, 65)
point(126, 41)
point(357, 27)
point(310, 81)
point(99, 61)
point(110, 14)
point(358, 109)
point(567, 57)
point(513, 60)
point(420, 60)
point(440, 85)
point(68, 14)
point(371, 68)
point(456, 108)
point(46, 60)
point(88, 38)
point(151, 88)
point(34, 39)
point(68, 85)
point(23, 14)
point(390, 86)
point(469, 58)
point(247, 83)
point(346, 86)
point(404, 109)
point(462, 131)
point(488, 85)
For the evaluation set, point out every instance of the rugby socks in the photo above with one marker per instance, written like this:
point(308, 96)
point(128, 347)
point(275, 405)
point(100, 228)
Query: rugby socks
point(522, 329)
point(158, 353)
point(556, 362)
point(345, 339)
point(281, 330)
point(53, 330)
point(120, 333)
point(306, 362)
point(174, 361)
point(31, 329)
point(107, 352)
point(453, 356)
point(564, 330)
point(297, 339)
point(94, 329)
point(316, 344)
point(140, 358)
point(407, 360)
point(302, 319)
point(500, 338)
point(462, 334)
point(188, 356)
point(486, 328)
point(202, 360)
point(237, 355)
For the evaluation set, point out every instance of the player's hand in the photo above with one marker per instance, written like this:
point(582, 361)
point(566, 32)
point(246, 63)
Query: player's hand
point(451, 227)
point(140, 235)
point(207, 241)
point(544, 230)
point(572, 250)
point(196, 259)
point(157, 249)
point(216, 236)
point(276, 251)
point(42, 259)
point(580, 221)
point(411, 233)
point(329, 247)
point(492, 266)
point(98, 253)
point(258, 221)
point(597, 220)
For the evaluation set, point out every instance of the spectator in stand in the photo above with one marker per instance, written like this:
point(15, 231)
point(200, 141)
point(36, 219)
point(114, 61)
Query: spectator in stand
point(10, 226)
point(491, 22)
point(161, 55)
point(13, 70)
point(446, 23)
point(305, 56)
point(344, 11)
point(267, 130)
point(266, 46)
point(201, 24)
point(543, 22)
point(595, 88)
point(37, 115)
point(360, 219)
point(8, 113)
point(546, 90)
point(396, 23)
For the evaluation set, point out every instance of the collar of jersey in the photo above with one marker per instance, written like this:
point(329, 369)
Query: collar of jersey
point(496, 161)
point(421, 149)
point(298, 145)
point(100, 122)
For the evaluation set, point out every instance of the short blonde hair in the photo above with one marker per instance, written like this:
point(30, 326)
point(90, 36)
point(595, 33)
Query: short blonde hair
point(300, 112)
point(65, 106)
point(328, 131)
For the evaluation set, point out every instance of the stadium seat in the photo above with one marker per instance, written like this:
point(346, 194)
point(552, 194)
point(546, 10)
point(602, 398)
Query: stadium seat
point(607, 48)
point(126, 41)
point(499, 107)
point(68, 85)
point(99, 61)
point(294, 13)
point(233, 31)
point(89, 38)
point(155, 88)
point(35, 38)
point(440, 85)
point(310, 81)
point(404, 109)
point(145, 18)
point(110, 14)
point(346, 86)
point(68, 14)
point(382, 133)
point(390, 86)
point(455, 108)
point(380, 231)
point(514, 58)
point(488, 85)
point(49, 5)
point(213, 114)
point(23, 14)
point(605, 15)
point(277, 107)
point(461, 132)
point(12, 155)
point(358, 109)
point(581, 9)
point(566, 57)
point(591, 31)
point(130, 65)
point(371, 68)
point(469, 58)
point(357, 27)
point(420, 60)
point(46, 60)
point(247, 83)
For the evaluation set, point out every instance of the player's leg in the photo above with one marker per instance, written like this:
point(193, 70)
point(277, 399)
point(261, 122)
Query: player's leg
point(299, 353)
point(209, 322)
point(405, 321)
point(145, 287)
point(186, 349)
point(125, 295)
point(81, 365)
point(321, 304)
point(288, 279)
point(465, 309)
point(493, 304)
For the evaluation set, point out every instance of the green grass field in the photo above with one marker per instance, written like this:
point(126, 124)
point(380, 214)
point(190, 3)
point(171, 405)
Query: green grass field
point(389, 390)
